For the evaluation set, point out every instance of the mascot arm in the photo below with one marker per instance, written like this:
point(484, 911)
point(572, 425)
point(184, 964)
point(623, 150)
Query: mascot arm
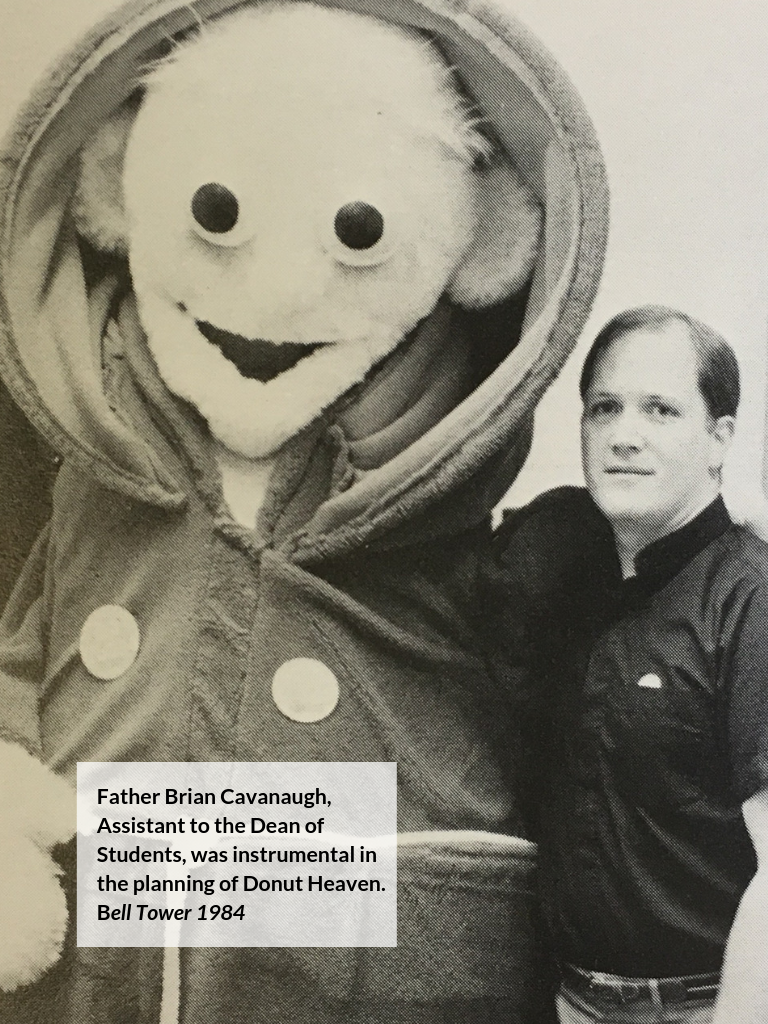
point(37, 808)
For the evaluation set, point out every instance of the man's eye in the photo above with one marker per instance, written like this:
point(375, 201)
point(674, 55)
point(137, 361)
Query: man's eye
point(602, 407)
point(663, 411)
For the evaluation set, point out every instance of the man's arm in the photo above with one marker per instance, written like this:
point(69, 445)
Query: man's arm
point(743, 995)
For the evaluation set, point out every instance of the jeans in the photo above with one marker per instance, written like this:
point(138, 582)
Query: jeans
point(578, 1008)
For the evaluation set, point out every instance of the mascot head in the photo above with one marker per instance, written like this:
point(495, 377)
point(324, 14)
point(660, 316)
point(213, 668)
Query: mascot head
point(296, 191)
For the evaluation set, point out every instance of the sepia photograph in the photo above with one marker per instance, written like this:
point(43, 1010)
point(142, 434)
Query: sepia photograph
point(383, 493)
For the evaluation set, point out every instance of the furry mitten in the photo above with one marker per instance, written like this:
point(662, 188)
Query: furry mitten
point(37, 811)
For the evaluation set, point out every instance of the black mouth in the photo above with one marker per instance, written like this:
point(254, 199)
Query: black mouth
point(254, 358)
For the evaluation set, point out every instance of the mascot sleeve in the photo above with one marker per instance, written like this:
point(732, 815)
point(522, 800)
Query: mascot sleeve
point(37, 808)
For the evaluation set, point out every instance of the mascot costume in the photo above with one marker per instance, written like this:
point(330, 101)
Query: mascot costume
point(282, 284)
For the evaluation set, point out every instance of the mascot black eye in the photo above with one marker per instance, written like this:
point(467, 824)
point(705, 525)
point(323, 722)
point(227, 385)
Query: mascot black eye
point(359, 226)
point(215, 208)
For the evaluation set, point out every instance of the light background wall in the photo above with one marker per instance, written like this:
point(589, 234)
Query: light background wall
point(678, 90)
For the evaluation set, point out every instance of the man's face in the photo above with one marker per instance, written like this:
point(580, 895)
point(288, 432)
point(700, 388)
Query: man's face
point(651, 451)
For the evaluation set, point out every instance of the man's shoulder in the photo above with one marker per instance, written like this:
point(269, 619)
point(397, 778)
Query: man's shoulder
point(744, 556)
point(567, 514)
point(555, 542)
point(727, 582)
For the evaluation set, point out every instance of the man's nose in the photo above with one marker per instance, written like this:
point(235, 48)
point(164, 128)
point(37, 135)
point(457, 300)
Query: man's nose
point(626, 437)
point(625, 448)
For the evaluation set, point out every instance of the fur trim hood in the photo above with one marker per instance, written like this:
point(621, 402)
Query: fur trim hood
point(51, 306)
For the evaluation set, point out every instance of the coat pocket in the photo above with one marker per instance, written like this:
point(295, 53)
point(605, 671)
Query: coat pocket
point(467, 922)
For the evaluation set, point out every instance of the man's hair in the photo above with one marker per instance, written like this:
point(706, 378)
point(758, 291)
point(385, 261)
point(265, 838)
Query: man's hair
point(718, 366)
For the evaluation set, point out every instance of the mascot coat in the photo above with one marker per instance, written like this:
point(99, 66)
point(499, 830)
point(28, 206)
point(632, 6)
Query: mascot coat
point(367, 554)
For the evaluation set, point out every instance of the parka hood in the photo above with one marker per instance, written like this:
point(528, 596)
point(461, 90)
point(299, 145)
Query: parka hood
point(54, 314)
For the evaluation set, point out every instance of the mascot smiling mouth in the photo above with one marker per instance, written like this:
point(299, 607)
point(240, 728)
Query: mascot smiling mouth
point(255, 358)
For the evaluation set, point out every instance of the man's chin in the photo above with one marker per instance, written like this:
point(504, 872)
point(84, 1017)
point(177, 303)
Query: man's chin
point(642, 524)
point(621, 507)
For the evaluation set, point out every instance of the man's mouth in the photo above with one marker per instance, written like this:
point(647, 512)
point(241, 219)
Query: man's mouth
point(255, 358)
point(628, 471)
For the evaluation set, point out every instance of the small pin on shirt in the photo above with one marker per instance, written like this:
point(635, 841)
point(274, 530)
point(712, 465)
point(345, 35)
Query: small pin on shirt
point(650, 681)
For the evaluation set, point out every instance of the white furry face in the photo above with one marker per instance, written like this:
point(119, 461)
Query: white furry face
point(290, 216)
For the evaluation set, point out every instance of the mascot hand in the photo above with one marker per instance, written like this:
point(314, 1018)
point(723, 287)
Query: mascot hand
point(37, 811)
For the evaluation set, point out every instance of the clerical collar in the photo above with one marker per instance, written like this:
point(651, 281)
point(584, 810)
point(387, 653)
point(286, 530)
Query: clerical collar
point(660, 561)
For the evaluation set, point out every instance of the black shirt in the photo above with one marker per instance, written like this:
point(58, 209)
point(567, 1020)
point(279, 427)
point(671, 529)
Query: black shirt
point(651, 730)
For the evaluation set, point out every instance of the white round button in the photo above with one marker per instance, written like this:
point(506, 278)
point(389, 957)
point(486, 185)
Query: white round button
point(305, 690)
point(109, 641)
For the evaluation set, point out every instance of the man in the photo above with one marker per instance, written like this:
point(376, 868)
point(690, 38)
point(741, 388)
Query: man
point(650, 648)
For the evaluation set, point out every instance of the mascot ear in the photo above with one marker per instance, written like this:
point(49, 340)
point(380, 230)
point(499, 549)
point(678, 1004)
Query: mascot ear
point(501, 258)
point(98, 206)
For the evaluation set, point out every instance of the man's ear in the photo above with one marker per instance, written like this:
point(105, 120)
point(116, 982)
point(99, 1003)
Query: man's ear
point(98, 208)
point(723, 429)
point(501, 258)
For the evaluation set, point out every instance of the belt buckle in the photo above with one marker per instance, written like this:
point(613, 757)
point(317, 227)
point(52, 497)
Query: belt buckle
point(619, 992)
point(631, 991)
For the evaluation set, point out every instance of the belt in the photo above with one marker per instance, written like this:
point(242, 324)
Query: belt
point(616, 989)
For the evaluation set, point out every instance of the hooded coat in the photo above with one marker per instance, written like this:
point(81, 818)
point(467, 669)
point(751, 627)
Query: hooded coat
point(368, 556)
